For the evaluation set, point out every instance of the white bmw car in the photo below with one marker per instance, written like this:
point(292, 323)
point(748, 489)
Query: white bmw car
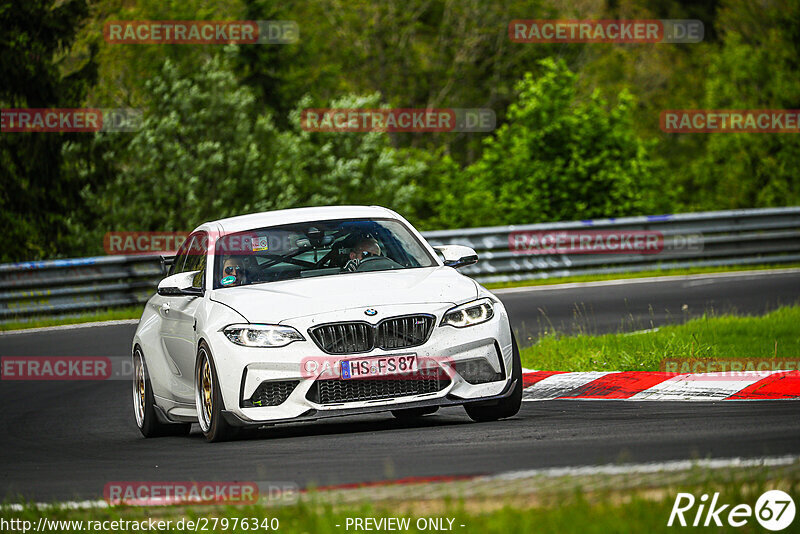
point(308, 313)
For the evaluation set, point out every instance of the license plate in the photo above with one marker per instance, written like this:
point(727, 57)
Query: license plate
point(380, 366)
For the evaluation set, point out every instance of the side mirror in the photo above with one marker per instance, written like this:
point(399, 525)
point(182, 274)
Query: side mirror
point(456, 256)
point(182, 284)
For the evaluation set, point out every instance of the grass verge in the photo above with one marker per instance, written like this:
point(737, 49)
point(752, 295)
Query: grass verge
point(643, 274)
point(774, 335)
point(109, 314)
point(566, 504)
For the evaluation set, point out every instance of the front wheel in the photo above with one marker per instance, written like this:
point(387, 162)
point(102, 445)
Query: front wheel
point(507, 407)
point(144, 404)
point(208, 399)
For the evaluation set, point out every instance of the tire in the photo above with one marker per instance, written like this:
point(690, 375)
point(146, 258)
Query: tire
point(144, 404)
point(411, 414)
point(507, 407)
point(208, 399)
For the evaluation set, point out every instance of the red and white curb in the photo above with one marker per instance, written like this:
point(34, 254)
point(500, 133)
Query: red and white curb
point(640, 385)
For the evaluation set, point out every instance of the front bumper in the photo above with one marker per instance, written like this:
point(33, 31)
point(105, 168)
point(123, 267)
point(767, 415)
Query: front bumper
point(234, 419)
point(241, 370)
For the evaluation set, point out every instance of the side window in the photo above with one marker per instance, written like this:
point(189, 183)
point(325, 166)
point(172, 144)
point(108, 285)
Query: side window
point(196, 257)
point(180, 258)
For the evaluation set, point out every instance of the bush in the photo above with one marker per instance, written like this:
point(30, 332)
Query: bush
point(556, 158)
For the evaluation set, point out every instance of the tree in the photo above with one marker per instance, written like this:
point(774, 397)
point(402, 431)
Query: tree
point(414, 53)
point(206, 151)
point(557, 158)
point(756, 68)
point(203, 152)
point(35, 198)
point(319, 168)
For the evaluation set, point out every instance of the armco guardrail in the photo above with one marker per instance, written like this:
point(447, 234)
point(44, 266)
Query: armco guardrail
point(717, 238)
point(60, 287)
point(720, 238)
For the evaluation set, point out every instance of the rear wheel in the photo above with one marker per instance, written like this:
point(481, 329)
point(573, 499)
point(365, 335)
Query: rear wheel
point(208, 399)
point(144, 404)
point(410, 414)
point(507, 407)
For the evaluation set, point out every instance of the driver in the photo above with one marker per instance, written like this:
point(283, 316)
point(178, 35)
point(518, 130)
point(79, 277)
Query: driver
point(365, 248)
point(233, 272)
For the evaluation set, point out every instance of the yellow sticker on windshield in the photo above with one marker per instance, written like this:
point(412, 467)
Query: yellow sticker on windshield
point(260, 243)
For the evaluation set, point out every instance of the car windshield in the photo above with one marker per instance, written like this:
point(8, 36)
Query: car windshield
point(318, 248)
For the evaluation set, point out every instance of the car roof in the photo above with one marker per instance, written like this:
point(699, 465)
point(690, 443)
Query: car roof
point(264, 219)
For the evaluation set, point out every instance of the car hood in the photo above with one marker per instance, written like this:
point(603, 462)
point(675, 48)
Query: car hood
point(279, 301)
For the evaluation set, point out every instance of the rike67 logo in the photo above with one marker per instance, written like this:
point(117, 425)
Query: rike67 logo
point(774, 510)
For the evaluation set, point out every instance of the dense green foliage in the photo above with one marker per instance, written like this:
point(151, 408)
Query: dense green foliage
point(554, 159)
point(577, 137)
point(36, 196)
point(205, 150)
point(757, 68)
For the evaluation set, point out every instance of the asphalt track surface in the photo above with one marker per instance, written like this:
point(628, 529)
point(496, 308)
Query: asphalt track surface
point(66, 440)
point(627, 305)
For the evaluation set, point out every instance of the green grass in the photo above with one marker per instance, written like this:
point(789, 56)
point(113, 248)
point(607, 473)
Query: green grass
point(110, 314)
point(577, 509)
point(776, 334)
point(643, 274)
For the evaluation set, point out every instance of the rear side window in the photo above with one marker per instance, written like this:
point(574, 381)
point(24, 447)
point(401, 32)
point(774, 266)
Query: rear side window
point(196, 253)
point(180, 259)
point(192, 254)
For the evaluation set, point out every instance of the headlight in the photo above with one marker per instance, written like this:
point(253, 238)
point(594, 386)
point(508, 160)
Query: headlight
point(262, 335)
point(469, 314)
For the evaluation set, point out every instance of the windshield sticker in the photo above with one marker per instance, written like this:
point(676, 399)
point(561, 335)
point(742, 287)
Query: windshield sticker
point(260, 243)
point(228, 280)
